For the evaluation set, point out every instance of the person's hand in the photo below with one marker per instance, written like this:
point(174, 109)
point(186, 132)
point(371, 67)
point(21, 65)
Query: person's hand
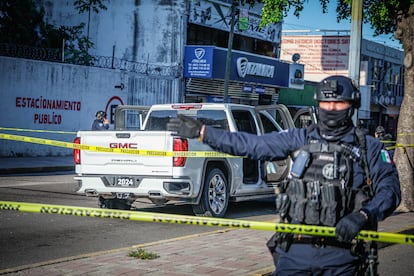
point(185, 126)
point(105, 121)
point(349, 226)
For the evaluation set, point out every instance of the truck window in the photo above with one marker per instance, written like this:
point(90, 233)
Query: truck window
point(244, 121)
point(214, 118)
point(129, 120)
point(159, 118)
point(268, 124)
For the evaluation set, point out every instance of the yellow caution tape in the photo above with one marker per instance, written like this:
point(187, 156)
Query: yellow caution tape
point(202, 154)
point(202, 221)
point(405, 134)
point(37, 130)
point(159, 153)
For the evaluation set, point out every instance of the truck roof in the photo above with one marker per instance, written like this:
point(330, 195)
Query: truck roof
point(198, 106)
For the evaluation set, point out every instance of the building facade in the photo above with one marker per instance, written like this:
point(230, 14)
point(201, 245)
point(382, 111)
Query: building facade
point(381, 72)
point(161, 32)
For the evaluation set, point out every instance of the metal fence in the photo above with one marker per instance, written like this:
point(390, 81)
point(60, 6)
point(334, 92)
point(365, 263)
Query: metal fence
point(55, 55)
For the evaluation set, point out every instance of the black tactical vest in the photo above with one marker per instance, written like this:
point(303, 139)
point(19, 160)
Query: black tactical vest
point(319, 191)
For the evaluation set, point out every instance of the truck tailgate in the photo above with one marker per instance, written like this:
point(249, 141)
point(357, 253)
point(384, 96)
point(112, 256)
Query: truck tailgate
point(95, 162)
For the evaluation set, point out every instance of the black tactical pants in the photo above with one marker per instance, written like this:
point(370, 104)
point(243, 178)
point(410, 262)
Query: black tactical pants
point(310, 259)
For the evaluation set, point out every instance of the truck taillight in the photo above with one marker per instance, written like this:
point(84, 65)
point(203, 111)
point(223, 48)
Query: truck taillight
point(76, 152)
point(180, 145)
point(186, 106)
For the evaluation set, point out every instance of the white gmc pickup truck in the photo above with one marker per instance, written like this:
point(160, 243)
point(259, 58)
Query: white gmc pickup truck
point(207, 183)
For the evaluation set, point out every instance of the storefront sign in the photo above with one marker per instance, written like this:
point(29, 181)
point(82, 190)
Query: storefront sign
point(198, 62)
point(210, 62)
point(326, 55)
point(296, 76)
point(247, 88)
point(244, 67)
point(217, 99)
point(260, 89)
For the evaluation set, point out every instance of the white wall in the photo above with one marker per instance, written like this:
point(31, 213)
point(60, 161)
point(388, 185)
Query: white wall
point(142, 31)
point(81, 90)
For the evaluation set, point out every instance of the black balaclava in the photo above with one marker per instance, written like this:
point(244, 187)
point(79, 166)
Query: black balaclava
point(334, 124)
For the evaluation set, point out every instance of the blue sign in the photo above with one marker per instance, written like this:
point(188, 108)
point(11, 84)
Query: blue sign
point(210, 62)
point(217, 99)
point(247, 88)
point(260, 89)
point(198, 61)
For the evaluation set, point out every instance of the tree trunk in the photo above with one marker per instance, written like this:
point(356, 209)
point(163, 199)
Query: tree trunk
point(404, 153)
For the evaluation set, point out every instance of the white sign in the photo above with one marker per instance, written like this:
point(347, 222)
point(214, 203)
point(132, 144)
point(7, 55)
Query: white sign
point(322, 55)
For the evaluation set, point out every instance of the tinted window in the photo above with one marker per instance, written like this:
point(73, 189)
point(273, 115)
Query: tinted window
point(159, 118)
point(244, 121)
point(214, 118)
point(268, 125)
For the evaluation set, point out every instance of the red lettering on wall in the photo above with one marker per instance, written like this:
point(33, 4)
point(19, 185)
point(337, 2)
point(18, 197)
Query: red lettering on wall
point(47, 119)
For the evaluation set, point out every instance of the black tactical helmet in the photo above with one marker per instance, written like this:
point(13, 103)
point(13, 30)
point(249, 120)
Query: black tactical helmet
point(380, 130)
point(338, 88)
point(100, 115)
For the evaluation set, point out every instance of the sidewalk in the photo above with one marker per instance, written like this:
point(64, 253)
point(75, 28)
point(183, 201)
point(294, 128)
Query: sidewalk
point(12, 165)
point(222, 252)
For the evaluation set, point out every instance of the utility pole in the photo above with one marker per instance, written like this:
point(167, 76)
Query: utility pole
point(229, 48)
point(355, 46)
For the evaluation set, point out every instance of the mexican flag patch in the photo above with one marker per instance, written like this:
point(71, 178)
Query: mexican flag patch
point(385, 156)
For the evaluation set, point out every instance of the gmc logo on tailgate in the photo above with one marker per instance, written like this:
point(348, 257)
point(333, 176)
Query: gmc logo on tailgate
point(123, 145)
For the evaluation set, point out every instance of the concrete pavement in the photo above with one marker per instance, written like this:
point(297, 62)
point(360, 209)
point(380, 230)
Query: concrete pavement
point(223, 252)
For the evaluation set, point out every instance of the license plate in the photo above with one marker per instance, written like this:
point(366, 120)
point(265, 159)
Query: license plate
point(124, 182)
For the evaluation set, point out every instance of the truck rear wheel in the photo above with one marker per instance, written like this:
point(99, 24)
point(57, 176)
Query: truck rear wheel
point(215, 197)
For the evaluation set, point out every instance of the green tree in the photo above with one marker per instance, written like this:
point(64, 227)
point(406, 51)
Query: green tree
point(21, 22)
point(88, 6)
point(77, 46)
point(385, 17)
point(80, 54)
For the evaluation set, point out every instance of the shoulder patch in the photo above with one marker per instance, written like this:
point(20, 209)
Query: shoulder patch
point(385, 156)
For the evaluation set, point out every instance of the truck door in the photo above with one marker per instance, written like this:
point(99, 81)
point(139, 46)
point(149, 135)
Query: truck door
point(245, 122)
point(305, 117)
point(275, 118)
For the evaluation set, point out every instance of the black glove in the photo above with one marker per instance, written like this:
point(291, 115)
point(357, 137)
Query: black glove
point(185, 126)
point(349, 226)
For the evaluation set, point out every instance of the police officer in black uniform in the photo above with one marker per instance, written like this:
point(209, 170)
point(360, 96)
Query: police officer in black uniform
point(100, 122)
point(340, 177)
